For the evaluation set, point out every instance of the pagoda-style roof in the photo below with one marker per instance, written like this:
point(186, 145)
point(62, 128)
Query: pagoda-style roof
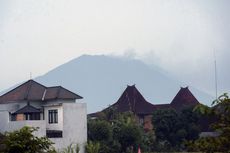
point(132, 100)
point(27, 109)
point(184, 98)
point(34, 91)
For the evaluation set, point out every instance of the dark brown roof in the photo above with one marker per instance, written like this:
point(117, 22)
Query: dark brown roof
point(162, 106)
point(34, 91)
point(132, 100)
point(60, 93)
point(184, 98)
point(27, 109)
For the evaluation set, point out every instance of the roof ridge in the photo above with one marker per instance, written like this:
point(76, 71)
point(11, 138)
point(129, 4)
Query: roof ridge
point(58, 92)
point(53, 87)
point(28, 90)
point(80, 97)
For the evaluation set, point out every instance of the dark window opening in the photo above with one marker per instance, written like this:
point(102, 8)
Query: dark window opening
point(32, 116)
point(54, 134)
point(13, 117)
point(53, 116)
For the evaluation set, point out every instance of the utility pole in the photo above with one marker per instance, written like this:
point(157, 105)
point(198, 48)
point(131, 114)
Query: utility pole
point(216, 85)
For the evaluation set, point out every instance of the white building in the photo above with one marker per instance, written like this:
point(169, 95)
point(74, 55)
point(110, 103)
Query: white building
point(53, 109)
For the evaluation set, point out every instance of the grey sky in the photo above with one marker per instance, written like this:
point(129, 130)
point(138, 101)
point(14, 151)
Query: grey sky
point(178, 35)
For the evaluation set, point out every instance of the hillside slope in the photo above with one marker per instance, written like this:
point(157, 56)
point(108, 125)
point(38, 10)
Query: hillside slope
point(101, 80)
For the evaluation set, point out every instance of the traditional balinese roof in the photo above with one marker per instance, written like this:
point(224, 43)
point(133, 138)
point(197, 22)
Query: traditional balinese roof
point(162, 106)
point(132, 100)
point(184, 98)
point(27, 109)
point(34, 91)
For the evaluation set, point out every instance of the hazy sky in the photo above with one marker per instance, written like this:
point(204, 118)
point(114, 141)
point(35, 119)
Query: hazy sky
point(177, 35)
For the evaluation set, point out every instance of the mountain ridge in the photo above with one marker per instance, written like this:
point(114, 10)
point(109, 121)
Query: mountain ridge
point(101, 79)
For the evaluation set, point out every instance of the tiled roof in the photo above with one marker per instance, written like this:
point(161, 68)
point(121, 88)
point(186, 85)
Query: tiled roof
point(34, 91)
point(162, 106)
point(184, 98)
point(27, 109)
point(60, 93)
point(132, 100)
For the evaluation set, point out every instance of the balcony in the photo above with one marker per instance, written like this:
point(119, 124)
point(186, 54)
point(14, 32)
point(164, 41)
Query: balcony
point(41, 124)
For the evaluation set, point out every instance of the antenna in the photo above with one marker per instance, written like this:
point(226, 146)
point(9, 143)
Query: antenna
point(216, 86)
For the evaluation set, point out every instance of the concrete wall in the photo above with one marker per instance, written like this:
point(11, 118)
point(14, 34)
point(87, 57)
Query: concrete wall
point(15, 125)
point(74, 126)
point(72, 120)
point(7, 125)
point(54, 126)
point(4, 120)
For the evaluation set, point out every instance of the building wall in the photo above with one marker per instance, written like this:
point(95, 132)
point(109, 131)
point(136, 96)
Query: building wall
point(4, 118)
point(74, 126)
point(7, 125)
point(54, 126)
point(148, 122)
point(72, 120)
point(41, 132)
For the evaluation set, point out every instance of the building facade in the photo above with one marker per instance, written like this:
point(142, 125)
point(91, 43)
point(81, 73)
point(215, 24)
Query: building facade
point(54, 110)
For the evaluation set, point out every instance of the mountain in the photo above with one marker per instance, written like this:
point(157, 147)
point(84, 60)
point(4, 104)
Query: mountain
point(101, 79)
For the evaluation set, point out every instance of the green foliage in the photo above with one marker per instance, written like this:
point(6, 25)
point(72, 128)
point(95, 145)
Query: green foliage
point(23, 141)
point(2, 146)
point(99, 130)
point(71, 149)
point(92, 147)
point(128, 136)
point(221, 112)
point(166, 124)
point(115, 132)
point(172, 128)
point(148, 141)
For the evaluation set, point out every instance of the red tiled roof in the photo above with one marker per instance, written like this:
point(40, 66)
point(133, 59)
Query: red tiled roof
point(34, 91)
point(132, 100)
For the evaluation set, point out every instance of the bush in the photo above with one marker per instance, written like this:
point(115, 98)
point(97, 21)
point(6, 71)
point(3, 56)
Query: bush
point(23, 141)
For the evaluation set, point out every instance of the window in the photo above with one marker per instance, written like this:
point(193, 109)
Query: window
point(53, 116)
point(32, 116)
point(13, 117)
point(54, 133)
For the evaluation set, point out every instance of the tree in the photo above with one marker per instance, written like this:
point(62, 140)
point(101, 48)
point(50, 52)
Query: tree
point(23, 141)
point(92, 147)
point(221, 125)
point(99, 130)
point(173, 127)
point(2, 146)
point(166, 123)
point(116, 132)
point(126, 131)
